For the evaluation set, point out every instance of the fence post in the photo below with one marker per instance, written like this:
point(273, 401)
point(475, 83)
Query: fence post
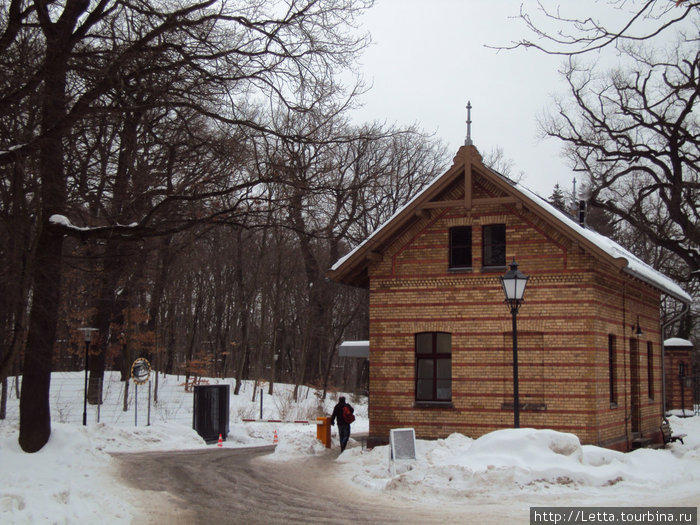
point(136, 404)
point(99, 400)
point(148, 423)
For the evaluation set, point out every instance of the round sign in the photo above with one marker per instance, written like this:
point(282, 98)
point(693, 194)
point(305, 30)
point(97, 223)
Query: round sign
point(141, 371)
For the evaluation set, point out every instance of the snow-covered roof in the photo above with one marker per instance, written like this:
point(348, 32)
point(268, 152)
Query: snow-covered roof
point(354, 349)
point(634, 266)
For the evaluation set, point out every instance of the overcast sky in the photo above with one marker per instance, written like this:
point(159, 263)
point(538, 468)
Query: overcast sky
point(428, 59)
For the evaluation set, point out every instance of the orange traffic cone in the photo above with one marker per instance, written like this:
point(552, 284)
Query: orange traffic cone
point(275, 440)
point(221, 442)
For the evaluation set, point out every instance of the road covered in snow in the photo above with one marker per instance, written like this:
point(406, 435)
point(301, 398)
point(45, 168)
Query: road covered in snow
point(494, 479)
point(244, 486)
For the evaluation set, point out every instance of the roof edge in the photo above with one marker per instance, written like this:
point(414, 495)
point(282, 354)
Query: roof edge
point(344, 270)
point(678, 294)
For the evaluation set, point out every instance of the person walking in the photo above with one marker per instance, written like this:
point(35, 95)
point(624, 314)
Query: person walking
point(343, 412)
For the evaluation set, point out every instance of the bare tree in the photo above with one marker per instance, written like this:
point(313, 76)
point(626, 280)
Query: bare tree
point(339, 187)
point(633, 128)
point(218, 56)
point(616, 24)
point(635, 134)
point(496, 160)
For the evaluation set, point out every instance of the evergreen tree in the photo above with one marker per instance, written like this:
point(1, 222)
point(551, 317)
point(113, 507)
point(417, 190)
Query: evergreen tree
point(558, 199)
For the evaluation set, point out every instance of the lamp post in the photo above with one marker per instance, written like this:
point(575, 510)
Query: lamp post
point(513, 283)
point(87, 336)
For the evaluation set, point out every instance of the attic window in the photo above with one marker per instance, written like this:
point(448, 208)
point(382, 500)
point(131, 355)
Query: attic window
point(494, 245)
point(461, 247)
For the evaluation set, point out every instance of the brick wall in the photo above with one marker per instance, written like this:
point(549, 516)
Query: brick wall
point(572, 303)
point(677, 397)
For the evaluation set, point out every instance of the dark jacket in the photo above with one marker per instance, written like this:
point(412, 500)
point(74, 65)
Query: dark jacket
point(338, 413)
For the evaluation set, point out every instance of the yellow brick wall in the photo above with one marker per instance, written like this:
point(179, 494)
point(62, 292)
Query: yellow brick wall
point(572, 303)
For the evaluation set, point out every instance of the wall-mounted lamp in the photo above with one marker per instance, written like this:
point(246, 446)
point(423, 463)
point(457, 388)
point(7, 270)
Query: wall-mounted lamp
point(638, 329)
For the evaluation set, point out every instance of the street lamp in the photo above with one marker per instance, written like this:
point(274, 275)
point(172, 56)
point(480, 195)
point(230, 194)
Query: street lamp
point(87, 336)
point(513, 283)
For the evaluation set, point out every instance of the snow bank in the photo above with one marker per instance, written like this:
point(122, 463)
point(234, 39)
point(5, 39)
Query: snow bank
point(67, 481)
point(158, 436)
point(690, 448)
point(524, 461)
point(294, 444)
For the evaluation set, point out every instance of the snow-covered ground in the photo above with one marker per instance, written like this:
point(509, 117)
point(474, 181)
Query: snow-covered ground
point(73, 479)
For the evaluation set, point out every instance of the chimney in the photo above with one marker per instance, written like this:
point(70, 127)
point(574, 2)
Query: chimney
point(582, 213)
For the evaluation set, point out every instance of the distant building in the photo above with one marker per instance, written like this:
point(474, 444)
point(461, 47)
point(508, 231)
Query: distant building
point(440, 340)
point(679, 368)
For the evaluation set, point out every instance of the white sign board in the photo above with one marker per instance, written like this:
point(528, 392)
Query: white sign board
point(403, 443)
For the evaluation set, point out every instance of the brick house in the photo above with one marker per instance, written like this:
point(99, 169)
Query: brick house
point(441, 336)
point(679, 368)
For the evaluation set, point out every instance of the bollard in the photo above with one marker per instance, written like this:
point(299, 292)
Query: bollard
point(323, 430)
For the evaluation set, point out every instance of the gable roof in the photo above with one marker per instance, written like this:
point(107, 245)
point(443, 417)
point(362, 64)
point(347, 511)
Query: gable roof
point(352, 268)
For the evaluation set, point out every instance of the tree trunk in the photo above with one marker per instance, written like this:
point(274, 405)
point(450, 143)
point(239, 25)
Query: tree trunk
point(125, 405)
point(16, 287)
point(170, 351)
point(155, 386)
point(110, 276)
point(3, 399)
point(241, 371)
point(35, 414)
point(164, 262)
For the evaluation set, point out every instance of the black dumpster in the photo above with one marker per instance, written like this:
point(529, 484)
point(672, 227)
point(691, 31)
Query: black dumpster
point(210, 414)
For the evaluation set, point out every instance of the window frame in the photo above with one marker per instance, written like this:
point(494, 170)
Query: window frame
point(612, 369)
point(452, 265)
point(435, 356)
point(650, 369)
point(490, 245)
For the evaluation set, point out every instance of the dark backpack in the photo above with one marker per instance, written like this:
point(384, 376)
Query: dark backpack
point(348, 416)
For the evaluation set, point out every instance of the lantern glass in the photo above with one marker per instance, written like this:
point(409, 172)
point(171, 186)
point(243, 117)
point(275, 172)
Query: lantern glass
point(87, 333)
point(514, 282)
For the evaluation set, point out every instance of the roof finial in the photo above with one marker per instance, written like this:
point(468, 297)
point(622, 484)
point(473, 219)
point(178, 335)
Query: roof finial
point(468, 140)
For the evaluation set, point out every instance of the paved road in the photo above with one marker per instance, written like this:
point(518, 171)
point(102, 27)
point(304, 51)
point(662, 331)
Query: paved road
point(222, 486)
